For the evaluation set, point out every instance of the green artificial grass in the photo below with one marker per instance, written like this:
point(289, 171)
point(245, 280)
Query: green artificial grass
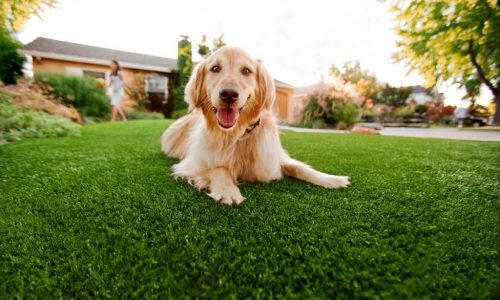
point(99, 216)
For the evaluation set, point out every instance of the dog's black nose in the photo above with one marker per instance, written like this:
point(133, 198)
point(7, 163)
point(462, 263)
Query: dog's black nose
point(228, 95)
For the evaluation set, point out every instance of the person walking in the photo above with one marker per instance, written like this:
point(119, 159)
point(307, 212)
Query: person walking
point(116, 91)
point(460, 115)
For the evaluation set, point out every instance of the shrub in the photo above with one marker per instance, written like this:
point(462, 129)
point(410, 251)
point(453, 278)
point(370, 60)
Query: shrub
point(185, 67)
point(403, 114)
point(314, 110)
point(11, 66)
point(82, 93)
point(179, 113)
point(368, 115)
point(136, 90)
point(438, 112)
point(404, 111)
point(421, 109)
point(383, 112)
point(30, 95)
point(319, 124)
point(142, 115)
point(333, 111)
point(342, 111)
point(18, 123)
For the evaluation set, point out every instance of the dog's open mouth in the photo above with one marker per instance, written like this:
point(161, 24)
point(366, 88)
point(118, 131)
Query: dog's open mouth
point(227, 116)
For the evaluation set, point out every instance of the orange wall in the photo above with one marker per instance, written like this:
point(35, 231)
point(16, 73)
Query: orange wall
point(59, 66)
point(282, 103)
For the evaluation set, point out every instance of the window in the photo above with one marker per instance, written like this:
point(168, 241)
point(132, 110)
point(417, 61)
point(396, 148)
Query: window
point(75, 71)
point(72, 71)
point(156, 84)
point(95, 74)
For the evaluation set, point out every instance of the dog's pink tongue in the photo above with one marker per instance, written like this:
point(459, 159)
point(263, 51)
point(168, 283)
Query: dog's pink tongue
point(227, 116)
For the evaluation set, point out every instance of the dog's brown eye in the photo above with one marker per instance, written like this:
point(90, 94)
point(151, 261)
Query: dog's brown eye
point(246, 71)
point(215, 69)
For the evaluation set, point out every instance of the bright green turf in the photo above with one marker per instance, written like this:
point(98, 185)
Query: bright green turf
point(100, 216)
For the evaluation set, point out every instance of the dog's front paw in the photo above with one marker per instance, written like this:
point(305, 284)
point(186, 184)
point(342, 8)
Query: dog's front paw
point(229, 194)
point(335, 182)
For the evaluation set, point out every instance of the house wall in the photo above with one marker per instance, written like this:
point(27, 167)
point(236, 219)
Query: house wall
point(419, 98)
point(60, 66)
point(282, 106)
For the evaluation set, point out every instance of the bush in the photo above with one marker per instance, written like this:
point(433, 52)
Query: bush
point(421, 109)
point(136, 90)
point(179, 113)
point(30, 95)
point(342, 111)
point(319, 124)
point(437, 112)
point(404, 111)
point(82, 93)
point(312, 111)
point(142, 115)
point(368, 115)
point(332, 111)
point(11, 66)
point(17, 123)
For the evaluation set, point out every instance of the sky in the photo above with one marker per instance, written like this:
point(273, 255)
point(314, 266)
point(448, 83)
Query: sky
point(297, 40)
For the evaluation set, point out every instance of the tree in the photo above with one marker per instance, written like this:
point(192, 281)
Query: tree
point(437, 111)
point(392, 95)
point(15, 13)
point(454, 40)
point(185, 67)
point(365, 81)
point(204, 50)
point(11, 66)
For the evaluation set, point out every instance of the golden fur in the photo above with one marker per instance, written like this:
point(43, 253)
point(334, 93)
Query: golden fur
point(216, 158)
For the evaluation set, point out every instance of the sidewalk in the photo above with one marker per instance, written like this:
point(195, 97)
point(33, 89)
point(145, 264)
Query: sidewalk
point(438, 133)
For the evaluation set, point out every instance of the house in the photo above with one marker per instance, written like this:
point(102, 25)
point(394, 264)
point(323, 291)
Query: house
point(418, 95)
point(54, 56)
point(49, 55)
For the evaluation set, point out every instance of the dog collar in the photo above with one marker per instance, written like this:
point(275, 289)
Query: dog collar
point(252, 127)
point(249, 129)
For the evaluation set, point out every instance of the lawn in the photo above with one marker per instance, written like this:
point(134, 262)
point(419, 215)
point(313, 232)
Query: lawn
point(100, 216)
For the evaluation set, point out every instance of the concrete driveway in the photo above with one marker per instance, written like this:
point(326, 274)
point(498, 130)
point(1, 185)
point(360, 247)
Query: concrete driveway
point(438, 133)
point(444, 133)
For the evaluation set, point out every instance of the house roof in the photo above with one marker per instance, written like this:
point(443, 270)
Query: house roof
point(418, 89)
point(56, 49)
point(282, 84)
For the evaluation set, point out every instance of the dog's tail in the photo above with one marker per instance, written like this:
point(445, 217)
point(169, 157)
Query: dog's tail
point(174, 141)
point(299, 170)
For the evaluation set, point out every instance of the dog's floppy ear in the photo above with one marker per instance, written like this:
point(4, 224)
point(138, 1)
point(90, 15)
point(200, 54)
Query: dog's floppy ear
point(266, 91)
point(194, 91)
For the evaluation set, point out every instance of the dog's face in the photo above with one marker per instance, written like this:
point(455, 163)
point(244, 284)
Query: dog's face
point(230, 81)
point(230, 87)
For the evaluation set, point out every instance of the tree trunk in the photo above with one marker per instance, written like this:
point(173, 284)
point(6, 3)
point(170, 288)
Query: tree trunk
point(494, 90)
point(496, 117)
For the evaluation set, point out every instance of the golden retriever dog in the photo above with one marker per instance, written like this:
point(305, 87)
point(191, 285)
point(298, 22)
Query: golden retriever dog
point(230, 134)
